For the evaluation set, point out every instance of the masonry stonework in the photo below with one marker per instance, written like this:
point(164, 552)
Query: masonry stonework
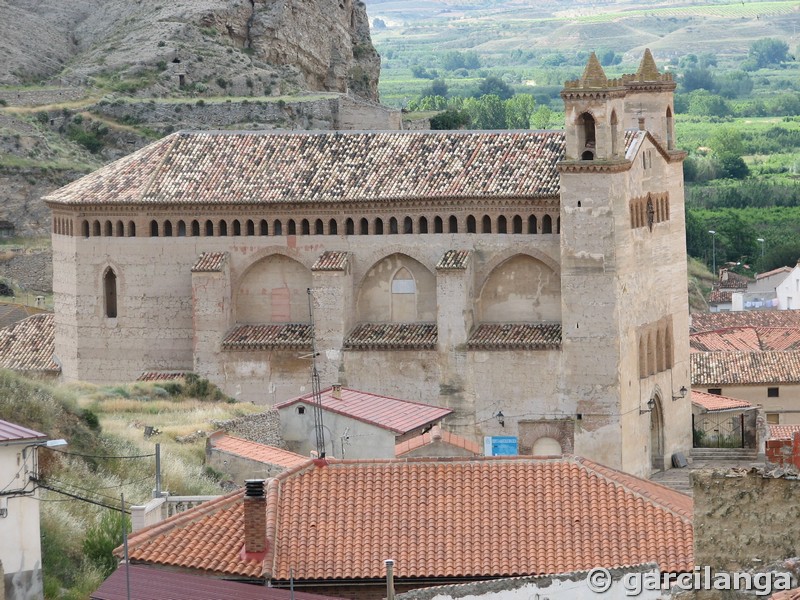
point(483, 272)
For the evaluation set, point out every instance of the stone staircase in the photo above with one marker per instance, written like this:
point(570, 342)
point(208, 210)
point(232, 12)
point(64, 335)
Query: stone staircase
point(706, 458)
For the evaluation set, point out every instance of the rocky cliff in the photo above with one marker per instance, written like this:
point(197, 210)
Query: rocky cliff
point(202, 47)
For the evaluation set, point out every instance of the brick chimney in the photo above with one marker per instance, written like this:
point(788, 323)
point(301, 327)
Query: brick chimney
point(255, 516)
point(336, 391)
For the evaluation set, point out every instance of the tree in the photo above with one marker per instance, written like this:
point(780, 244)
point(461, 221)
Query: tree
point(450, 119)
point(101, 540)
point(697, 78)
point(519, 110)
point(768, 51)
point(541, 117)
point(785, 255)
point(452, 60)
point(471, 60)
point(495, 86)
point(705, 104)
point(728, 148)
point(438, 87)
point(486, 112)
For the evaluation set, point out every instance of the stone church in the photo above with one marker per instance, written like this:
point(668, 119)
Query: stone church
point(532, 281)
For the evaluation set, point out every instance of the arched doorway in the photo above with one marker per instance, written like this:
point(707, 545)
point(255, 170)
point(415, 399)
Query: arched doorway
point(657, 434)
point(546, 446)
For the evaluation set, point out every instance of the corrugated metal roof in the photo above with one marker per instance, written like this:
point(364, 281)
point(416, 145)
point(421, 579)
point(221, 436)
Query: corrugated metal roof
point(153, 583)
point(510, 336)
point(11, 432)
point(400, 416)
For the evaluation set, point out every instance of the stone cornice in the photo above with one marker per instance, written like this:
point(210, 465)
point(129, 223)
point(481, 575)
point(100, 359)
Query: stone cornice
point(593, 166)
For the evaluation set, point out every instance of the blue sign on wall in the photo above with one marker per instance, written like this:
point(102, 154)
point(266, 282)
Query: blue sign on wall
point(500, 445)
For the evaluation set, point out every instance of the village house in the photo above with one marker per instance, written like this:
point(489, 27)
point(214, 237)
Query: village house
point(20, 550)
point(778, 289)
point(537, 274)
point(327, 526)
point(356, 424)
point(756, 359)
point(239, 459)
point(722, 422)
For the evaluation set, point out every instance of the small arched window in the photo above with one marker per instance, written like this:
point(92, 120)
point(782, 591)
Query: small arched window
point(108, 230)
point(532, 224)
point(517, 226)
point(237, 227)
point(85, 229)
point(438, 225)
point(120, 229)
point(96, 229)
point(318, 227)
point(110, 293)
point(277, 228)
point(614, 138)
point(167, 229)
point(502, 224)
point(487, 224)
point(291, 228)
point(408, 225)
point(586, 136)
point(453, 224)
point(547, 224)
point(364, 227)
point(392, 226)
point(333, 227)
point(154, 228)
point(378, 226)
point(251, 227)
point(196, 228)
point(223, 228)
point(349, 227)
point(305, 227)
point(263, 228)
point(471, 224)
point(404, 296)
point(181, 229)
point(423, 225)
point(670, 129)
point(131, 229)
point(209, 228)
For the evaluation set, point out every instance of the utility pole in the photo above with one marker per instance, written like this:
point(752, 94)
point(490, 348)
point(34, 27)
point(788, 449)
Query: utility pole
point(319, 430)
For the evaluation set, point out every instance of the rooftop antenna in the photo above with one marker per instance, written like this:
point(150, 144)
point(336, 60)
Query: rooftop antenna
point(315, 392)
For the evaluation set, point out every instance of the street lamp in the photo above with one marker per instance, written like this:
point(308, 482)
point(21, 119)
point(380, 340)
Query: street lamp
point(713, 251)
point(762, 245)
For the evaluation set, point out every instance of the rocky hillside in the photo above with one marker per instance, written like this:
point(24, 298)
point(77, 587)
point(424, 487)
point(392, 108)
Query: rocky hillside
point(207, 47)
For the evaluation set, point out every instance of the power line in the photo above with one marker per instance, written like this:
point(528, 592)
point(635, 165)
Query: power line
point(81, 498)
point(97, 456)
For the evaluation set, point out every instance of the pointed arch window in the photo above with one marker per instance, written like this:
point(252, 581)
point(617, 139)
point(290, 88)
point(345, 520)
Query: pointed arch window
point(404, 296)
point(587, 142)
point(110, 293)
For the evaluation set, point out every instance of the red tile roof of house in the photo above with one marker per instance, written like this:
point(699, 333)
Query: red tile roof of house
point(257, 452)
point(331, 260)
point(523, 336)
point(29, 345)
point(714, 402)
point(397, 336)
point(777, 271)
point(394, 414)
point(261, 337)
point(732, 368)
point(783, 432)
point(720, 296)
point(744, 318)
point(438, 518)
point(437, 435)
point(11, 432)
point(153, 583)
point(731, 280)
point(267, 168)
point(746, 339)
point(454, 260)
point(210, 262)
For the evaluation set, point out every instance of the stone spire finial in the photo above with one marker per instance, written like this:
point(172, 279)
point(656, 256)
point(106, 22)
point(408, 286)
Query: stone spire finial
point(593, 74)
point(648, 71)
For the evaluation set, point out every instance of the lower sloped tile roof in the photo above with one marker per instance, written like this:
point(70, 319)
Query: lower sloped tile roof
point(509, 336)
point(744, 318)
point(437, 435)
point(732, 368)
point(783, 432)
point(257, 452)
point(746, 339)
point(714, 402)
point(392, 336)
point(266, 337)
point(438, 518)
point(29, 345)
point(161, 375)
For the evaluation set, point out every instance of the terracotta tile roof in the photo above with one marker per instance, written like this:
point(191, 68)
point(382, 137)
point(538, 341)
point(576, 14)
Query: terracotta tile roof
point(746, 339)
point(210, 262)
point(713, 402)
point(720, 296)
point(744, 318)
point(524, 336)
point(733, 281)
point(265, 337)
point(439, 519)
point(777, 271)
point(331, 260)
point(394, 414)
point(11, 432)
point(153, 583)
point(733, 368)
point(454, 259)
point(161, 375)
point(269, 167)
point(258, 452)
point(396, 336)
point(783, 432)
point(29, 345)
point(437, 435)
